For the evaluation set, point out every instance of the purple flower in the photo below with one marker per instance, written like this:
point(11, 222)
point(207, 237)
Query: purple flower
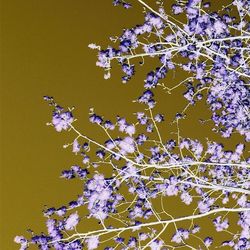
point(130, 130)
point(186, 198)
point(76, 147)
point(177, 9)
point(208, 241)
point(72, 221)
point(95, 119)
point(62, 121)
point(156, 245)
point(61, 211)
point(220, 225)
point(180, 235)
point(22, 241)
point(159, 118)
point(68, 174)
point(109, 125)
point(127, 145)
point(92, 242)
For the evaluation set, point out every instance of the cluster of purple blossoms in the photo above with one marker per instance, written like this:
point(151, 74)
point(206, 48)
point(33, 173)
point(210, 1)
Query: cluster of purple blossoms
point(143, 170)
point(61, 119)
point(213, 47)
point(125, 4)
point(131, 177)
point(101, 196)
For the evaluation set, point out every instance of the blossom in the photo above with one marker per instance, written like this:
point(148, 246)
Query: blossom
point(177, 9)
point(156, 245)
point(180, 235)
point(220, 225)
point(61, 211)
point(159, 118)
point(204, 206)
point(93, 242)
point(171, 190)
point(208, 241)
point(76, 147)
point(127, 145)
point(186, 198)
point(130, 130)
point(95, 119)
point(72, 221)
point(143, 236)
point(62, 121)
point(21, 240)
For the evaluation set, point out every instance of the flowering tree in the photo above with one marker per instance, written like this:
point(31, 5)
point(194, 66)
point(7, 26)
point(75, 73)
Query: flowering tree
point(144, 172)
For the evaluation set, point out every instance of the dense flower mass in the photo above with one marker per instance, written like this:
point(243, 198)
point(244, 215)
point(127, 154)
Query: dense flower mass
point(132, 178)
point(213, 47)
point(144, 170)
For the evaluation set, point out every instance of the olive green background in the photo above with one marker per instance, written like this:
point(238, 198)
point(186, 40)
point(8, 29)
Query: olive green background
point(44, 52)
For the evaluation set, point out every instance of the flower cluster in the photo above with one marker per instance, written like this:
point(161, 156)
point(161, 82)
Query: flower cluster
point(131, 178)
point(210, 46)
point(126, 5)
point(143, 170)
